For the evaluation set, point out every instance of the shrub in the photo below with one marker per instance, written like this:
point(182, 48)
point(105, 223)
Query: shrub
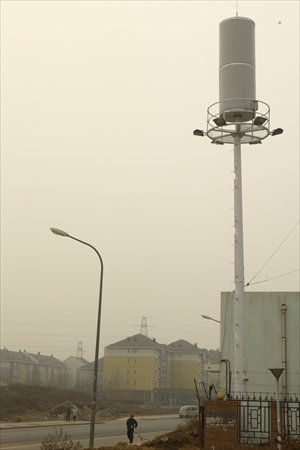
point(59, 440)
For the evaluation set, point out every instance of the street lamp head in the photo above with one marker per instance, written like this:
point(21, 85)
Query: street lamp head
point(220, 121)
point(198, 133)
point(59, 232)
point(255, 142)
point(205, 317)
point(277, 131)
point(217, 142)
point(259, 120)
point(209, 318)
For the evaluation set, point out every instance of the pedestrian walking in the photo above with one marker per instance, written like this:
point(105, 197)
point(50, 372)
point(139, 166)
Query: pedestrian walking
point(131, 425)
point(68, 413)
point(74, 412)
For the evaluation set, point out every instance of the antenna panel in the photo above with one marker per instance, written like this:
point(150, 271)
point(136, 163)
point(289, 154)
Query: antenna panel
point(237, 88)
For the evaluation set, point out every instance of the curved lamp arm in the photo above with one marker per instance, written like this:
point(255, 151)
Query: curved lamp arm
point(59, 232)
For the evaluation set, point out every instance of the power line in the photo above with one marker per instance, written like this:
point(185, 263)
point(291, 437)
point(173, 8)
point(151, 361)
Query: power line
point(280, 245)
point(274, 278)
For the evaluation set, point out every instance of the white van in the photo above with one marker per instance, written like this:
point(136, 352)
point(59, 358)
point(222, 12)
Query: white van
point(188, 411)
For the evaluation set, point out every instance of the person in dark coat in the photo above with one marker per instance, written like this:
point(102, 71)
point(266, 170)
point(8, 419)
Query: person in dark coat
point(74, 412)
point(68, 413)
point(131, 425)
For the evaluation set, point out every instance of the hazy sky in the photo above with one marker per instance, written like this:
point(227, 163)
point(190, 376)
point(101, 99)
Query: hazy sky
point(99, 102)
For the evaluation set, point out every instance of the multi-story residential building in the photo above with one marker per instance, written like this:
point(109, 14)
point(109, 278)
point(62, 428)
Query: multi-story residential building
point(140, 369)
point(136, 369)
point(185, 363)
point(29, 368)
point(132, 368)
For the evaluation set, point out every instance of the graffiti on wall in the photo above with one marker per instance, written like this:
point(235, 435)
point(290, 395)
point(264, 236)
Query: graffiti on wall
point(220, 420)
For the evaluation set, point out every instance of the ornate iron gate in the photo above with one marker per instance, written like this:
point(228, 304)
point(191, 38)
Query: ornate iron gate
point(291, 419)
point(254, 421)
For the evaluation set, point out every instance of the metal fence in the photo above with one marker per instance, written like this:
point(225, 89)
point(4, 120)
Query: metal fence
point(255, 420)
point(291, 419)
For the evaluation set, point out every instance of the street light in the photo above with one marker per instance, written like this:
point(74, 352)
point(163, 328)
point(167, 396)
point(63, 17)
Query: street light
point(210, 318)
point(95, 382)
point(277, 374)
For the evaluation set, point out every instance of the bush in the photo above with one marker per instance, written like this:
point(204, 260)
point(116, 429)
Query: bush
point(59, 440)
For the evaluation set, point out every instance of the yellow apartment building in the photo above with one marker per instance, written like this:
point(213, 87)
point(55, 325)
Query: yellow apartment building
point(185, 364)
point(142, 370)
point(131, 368)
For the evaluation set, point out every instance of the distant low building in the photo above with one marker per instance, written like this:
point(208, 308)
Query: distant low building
point(73, 363)
point(85, 377)
point(30, 368)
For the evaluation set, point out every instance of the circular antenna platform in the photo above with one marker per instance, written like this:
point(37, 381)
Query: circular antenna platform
point(253, 121)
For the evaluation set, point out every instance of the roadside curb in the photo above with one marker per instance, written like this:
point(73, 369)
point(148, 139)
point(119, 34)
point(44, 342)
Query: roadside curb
point(52, 423)
point(12, 425)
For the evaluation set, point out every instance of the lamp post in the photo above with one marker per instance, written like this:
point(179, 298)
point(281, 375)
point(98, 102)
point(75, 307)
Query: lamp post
point(210, 318)
point(277, 374)
point(95, 379)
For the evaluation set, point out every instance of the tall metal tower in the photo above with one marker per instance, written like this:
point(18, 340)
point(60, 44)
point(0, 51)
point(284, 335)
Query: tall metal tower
point(79, 349)
point(238, 118)
point(144, 326)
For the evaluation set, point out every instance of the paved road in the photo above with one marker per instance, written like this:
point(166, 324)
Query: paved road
point(109, 433)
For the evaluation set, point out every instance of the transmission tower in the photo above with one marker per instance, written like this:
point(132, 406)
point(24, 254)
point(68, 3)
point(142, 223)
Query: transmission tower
point(80, 349)
point(144, 326)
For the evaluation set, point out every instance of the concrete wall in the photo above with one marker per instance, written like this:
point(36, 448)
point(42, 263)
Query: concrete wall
point(220, 424)
point(264, 339)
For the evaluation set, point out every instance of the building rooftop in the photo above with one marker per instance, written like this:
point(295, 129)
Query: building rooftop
point(184, 346)
point(138, 340)
point(29, 358)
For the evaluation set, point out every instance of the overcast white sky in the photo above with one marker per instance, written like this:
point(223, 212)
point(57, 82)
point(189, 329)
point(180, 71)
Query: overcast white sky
point(99, 103)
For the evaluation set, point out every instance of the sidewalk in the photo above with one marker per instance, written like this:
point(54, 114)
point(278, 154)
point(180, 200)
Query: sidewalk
point(46, 423)
point(63, 423)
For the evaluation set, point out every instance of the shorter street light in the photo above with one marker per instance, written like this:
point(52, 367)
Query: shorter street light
point(59, 232)
point(210, 318)
point(277, 374)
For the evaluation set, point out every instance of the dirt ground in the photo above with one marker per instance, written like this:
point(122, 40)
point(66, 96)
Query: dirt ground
point(21, 403)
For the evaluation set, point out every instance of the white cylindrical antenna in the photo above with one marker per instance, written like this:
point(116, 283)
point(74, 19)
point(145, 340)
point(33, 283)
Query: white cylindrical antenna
point(237, 69)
